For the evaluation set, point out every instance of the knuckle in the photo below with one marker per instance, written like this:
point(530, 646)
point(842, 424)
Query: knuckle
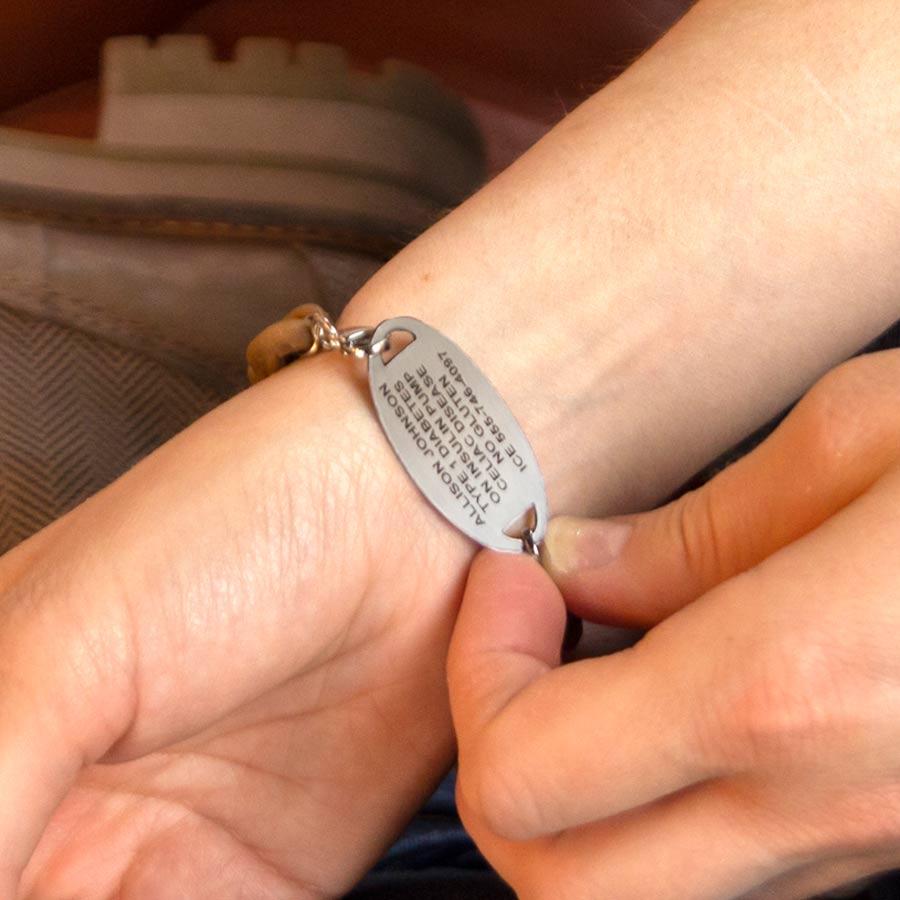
point(702, 537)
point(829, 417)
point(783, 705)
point(863, 823)
point(842, 821)
point(853, 404)
point(869, 822)
point(498, 787)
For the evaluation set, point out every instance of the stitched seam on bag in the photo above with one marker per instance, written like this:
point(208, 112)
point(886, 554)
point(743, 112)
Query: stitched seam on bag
point(348, 239)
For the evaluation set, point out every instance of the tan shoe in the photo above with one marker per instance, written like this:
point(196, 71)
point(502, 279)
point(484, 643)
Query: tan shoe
point(134, 268)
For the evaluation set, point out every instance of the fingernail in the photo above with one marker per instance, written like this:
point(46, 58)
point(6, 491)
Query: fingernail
point(572, 545)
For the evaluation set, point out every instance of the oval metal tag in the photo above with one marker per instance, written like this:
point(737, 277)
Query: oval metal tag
point(457, 438)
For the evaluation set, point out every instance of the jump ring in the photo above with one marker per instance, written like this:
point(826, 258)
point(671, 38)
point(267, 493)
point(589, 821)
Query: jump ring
point(530, 545)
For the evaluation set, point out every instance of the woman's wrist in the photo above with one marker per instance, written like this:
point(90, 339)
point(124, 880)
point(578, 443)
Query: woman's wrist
point(655, 278)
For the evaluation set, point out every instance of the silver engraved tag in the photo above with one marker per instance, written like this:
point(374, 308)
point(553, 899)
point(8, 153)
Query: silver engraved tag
point(457, 438)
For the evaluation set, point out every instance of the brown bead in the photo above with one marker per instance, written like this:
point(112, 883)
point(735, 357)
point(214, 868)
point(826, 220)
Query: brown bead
point(277, 346)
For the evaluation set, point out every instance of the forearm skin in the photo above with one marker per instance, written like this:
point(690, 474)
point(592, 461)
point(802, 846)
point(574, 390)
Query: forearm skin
point(685, 253)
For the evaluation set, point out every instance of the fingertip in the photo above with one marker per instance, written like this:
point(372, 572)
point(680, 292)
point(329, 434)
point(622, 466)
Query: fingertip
point(511, 604)
point(509, 632)
point(592, 563)
point(628, 571)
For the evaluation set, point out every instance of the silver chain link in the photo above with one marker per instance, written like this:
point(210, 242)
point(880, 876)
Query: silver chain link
point(530, 545)
point(354, 341)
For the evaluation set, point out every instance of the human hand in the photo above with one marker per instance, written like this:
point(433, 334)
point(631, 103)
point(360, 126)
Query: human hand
point(748, 745)
point(253, 666)
point(223, 675)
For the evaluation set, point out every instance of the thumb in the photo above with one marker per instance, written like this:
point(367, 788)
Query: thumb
point(65, 696)
point(508, 633)
point(637, 570)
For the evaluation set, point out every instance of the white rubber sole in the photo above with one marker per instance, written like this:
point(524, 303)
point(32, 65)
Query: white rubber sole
point(279, 133)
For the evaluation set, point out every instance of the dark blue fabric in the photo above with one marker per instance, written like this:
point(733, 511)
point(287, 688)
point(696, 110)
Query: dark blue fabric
point(887, 888)
point(433, 884)
point(435, 859)
point(435, 837)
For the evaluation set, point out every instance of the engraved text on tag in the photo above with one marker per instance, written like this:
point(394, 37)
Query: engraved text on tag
point(456, 437)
